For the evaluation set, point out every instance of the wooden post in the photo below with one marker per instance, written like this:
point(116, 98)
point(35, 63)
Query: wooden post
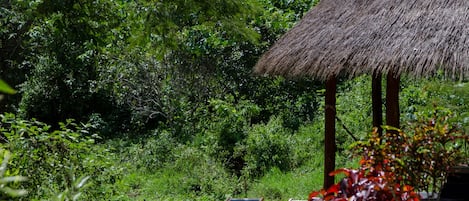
point(329, 136)
point(377, 102)
point(392, 100)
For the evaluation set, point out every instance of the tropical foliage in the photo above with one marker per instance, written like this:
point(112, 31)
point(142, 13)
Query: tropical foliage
point(397, 163)
point(166, 107)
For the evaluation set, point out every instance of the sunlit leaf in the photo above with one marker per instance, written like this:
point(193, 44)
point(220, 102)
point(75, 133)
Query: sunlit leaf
point(5, 88)
point(76, 196)
point(82, 182)
point(12, 179)
point(13, 192)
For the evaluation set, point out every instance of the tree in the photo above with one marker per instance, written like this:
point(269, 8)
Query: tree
point(63, 49)
point(153, 62)
point(15, 21)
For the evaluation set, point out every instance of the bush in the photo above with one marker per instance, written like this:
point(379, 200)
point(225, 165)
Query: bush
point(147, 154)
point(268, 146)
point(222, 127)
point(366, 183)
point(397, 161)
point(420, 156)
point(8, 180)
point(203, 175)
point(53, 160)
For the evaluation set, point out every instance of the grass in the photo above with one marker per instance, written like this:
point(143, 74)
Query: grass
point(277, 185)
point(192, 175)
point(168, 184)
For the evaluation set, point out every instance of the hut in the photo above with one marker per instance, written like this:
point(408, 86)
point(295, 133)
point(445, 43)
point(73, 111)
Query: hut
point(348, 38)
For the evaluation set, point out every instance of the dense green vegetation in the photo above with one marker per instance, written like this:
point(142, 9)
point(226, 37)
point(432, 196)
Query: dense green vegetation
point(165, 105)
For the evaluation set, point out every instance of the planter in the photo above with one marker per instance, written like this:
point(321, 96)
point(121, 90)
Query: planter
point(457, 185)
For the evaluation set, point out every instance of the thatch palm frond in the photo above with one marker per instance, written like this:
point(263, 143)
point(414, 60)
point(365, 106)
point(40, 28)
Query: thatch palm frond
point(351, 37)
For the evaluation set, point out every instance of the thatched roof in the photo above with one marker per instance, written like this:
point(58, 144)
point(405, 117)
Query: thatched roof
point(351, 37)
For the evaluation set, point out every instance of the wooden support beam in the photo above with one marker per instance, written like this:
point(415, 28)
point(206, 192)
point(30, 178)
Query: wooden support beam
point(329, 136)
point(392, 100)
point(377, 101)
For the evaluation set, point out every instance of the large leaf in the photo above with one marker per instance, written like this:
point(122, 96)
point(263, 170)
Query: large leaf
point(5, 88)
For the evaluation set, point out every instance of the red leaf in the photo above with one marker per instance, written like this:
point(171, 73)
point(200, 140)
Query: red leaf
point(342, 170)
point(333, 189)
point(329, 197)
point(362, 161)
point(313, 194)
point(407, 188)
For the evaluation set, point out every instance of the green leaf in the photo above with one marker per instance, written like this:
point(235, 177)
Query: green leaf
point(76, 196)
point(13, 192)
point(82, 182)
point(5, 88)
point(12, 179)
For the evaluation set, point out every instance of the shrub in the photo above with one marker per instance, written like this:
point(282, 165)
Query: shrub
point(7, 179)
point(148, 154)
point(223, 127)
point(268, 146)
point(203, 175)
point(54, 159)
point(421, 156)
point(395, 162)
point(366, 183)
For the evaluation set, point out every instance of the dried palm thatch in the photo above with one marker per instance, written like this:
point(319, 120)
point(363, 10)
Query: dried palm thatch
point(351, 37)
